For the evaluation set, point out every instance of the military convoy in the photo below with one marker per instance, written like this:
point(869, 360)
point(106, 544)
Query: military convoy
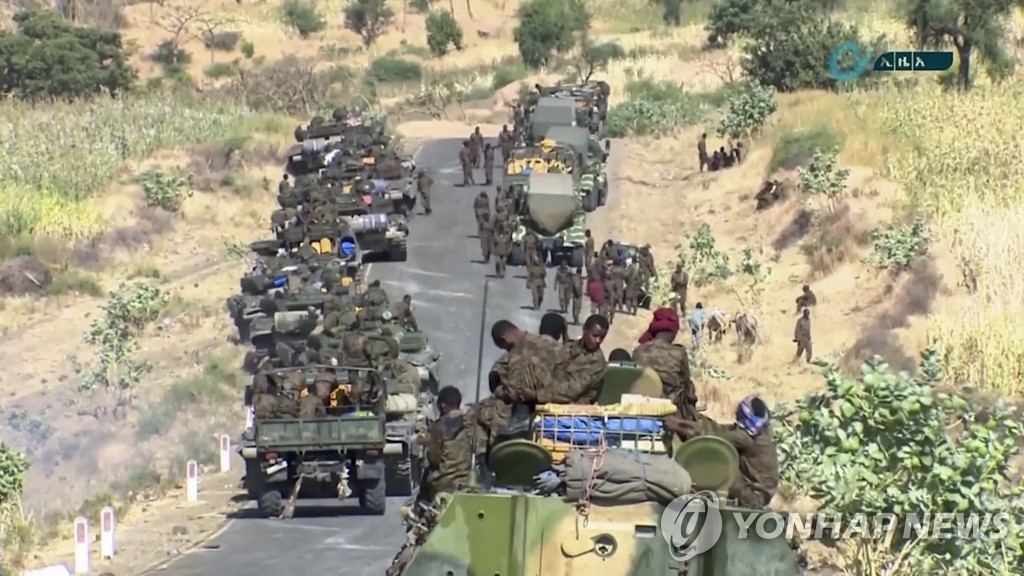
point(559, 151)
point(343, 383)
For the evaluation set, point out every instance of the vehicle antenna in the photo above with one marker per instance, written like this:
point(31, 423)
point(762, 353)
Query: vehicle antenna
point(473, 480)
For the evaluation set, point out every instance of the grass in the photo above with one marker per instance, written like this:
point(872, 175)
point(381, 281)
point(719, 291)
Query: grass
point(212, 387)
point(45, 189)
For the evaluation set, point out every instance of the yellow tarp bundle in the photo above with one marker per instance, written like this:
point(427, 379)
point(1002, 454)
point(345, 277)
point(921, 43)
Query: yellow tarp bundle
point(632, 409)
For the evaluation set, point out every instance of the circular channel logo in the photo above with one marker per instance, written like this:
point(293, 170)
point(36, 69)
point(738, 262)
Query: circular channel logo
point(848, 62)
point(691, 525)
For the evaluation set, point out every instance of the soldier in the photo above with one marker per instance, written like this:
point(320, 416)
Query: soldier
point(737, 152)
point(588, 250)
point(608, 251)
point(802, 335)
point(507, 141)
point(488, 164)
point(476, 143)
point(375, 295)
point(616, 283)
point(806, 299)
point(680, 282)
point(530, 247)
point(517, 342)
point(702, 152)
point(580, 380)
point(726, 157)
point(285, 186)
point(448, 447)
point(500, 243)
point(648, 269)
point(537, 282)
point(634, 283)
point(753, 439)
point(564, 284)
point(465, 160)
point(486, 233)
point(404, 315)
point(716, 162)
point(553, 326)
point(481, 207)
point(658, 352)
point(578, 290)
point(423, 185)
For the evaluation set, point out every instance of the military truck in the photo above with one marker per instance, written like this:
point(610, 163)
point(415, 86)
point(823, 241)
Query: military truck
point(592, 178)
point(339, 452)
point(591, 103)
point(511, 528)
point(550, 111)
point(547, 204)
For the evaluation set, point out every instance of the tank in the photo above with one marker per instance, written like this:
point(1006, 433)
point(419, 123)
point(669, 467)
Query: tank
point(512, 532)
point(368, 223)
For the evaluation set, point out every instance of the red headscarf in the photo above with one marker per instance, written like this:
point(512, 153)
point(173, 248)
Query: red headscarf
point(665, 320)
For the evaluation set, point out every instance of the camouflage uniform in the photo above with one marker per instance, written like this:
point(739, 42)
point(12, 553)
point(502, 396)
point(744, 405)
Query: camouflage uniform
point(578, 291)
point(802, 335)
point(481, 206)
point(476, 146)
point(616, 289)
point(634, 283)
point(580, 381)
point(423, 185)
point(648, 269)
point(467, 167)
point(506, 141)
point(486, 234)
point(588, 252)
point(530, 247)
point(680, 283)
point(404, 315)
point(499, 248)
point(448, 455)
point(672, 364)
point(488, 165)
point(564, 285)
point(537, 282)
point(489, 416)
point(759, 462)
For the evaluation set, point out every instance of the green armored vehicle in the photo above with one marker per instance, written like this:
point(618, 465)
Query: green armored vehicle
point(317, 430)
point(548, 204)
point(590, 172)
point(618, 509)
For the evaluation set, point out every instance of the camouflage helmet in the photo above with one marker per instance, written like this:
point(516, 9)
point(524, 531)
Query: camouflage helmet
point(364, 187)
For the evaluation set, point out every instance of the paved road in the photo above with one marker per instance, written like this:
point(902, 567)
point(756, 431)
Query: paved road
point(447, 289)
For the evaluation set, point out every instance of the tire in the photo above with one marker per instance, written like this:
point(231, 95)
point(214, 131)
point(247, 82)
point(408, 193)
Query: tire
point(602, 197)
point(253, 483)
point(591, 201)
point(373, 496)
point(270, 503)
point(576, 260)
point(402, 474)
point(398, 253)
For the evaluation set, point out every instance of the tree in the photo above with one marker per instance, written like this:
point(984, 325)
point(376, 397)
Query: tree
point(13, 467)
point(443, 31)
point(730, 18)
point(749, 109)
point(47, 58)
point(302, 15)
point(823, 178)
point(968, 25)
point(596, 57)
point(672, 12)
point(368, 18)
point(888, 443)
point(547, 27)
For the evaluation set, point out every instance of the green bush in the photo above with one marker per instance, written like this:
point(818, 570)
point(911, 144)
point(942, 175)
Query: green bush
point(443, 31)
point(420, 6)
point(220, 70)
point(170, 57)
point(395, 69)
point(796, 148)
point(368, 18)
point(899, 245)
point(749, 109)
point(547, 27)
point(507, 75)
point(303, 17)
point(655, 108)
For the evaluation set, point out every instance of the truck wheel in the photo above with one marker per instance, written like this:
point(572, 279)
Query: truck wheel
point(516, 256)
point(270, 504)
point(253, 483)
point(602, 197)
point(591, 201)
point(398, 253)
point(373, 497)
point(403, 473)
point(576, 261)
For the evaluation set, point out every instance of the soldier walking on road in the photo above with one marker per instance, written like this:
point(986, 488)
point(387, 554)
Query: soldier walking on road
point(578, 289)
point(563, 283)
point(648, 269)
point(802, 336)
point(488, 164)
point(634, 282)
point(486, 233)
point(588, 250)
point(702, 152)
point(465, 160)
point(506, 141)
point(537, 280)
point(423, 184)
point(499, 248)
point(476, 145)
point(530, 247)
point(481, 207)
point(616, 284)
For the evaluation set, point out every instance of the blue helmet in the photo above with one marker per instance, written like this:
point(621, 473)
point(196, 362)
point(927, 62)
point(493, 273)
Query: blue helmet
point(752, 415)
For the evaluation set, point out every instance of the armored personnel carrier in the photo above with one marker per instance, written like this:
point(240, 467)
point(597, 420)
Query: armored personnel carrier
point(592, 179)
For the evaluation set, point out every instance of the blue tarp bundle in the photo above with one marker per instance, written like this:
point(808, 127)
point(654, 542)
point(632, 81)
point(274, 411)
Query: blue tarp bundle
point(585, 431)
